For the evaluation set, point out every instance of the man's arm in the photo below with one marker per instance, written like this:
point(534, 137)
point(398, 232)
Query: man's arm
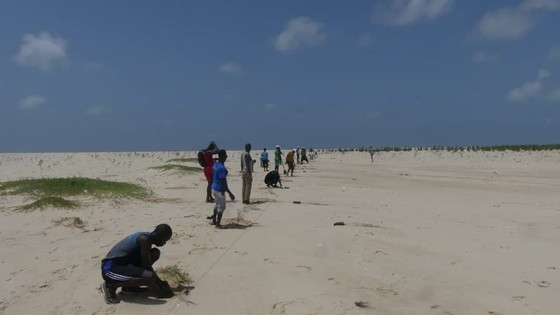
point(223, 182)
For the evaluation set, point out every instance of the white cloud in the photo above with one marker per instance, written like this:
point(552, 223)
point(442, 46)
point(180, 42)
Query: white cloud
point(482, 57)
point(97, 110)
point(41, 51)
point(31, 102)
point(301, 31)
point(530, 89)
point(405, 12)
point(230, 67)
point(541, 4)
point(525, 91)
point(269, 107)
point(554, 53)
point(512, 23)
point(505, 23)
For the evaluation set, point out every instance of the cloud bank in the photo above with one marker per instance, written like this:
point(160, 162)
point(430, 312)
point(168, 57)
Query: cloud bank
point(31, 102)
point(41, 51)
point(406, 12)
point(301, 31)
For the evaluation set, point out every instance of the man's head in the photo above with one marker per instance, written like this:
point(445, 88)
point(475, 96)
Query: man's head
point(264, 149)
point(212, 146)
point(247, 147)
point(222, 155)
point(161, 234)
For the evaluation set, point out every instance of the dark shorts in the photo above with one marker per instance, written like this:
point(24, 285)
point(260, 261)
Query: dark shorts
point(121, 271)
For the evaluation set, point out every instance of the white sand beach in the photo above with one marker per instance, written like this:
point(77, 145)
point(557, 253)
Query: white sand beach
point(424, 233)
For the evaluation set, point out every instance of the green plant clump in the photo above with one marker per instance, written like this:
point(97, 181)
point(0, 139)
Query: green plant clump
point(73, 186)
point(54, 202)
point(195, 160)
point(174, 275)
point(177, 167)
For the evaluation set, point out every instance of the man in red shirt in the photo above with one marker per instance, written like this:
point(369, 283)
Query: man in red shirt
point(208, 164)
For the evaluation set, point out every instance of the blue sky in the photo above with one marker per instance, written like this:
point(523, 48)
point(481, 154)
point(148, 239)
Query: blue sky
point(173, 75)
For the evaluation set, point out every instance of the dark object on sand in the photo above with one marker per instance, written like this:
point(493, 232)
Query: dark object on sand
point(362, 304)
point(272, 178)
point(297, 202)
point(338, 223)
point(163, 291)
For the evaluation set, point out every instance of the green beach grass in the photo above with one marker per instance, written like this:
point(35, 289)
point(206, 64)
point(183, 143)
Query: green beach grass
point(49, 202)
point(177, 168)
point(183, 160)
point(73, 186)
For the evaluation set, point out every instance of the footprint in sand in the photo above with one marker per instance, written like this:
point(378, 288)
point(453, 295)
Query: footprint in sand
point(386, 292)
point(305, 267)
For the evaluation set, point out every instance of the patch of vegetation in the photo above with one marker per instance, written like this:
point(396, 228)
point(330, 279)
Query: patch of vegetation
point(176, 277)
point(194, 160)
point(73, 186)
point(177, 168)
point(53, 202)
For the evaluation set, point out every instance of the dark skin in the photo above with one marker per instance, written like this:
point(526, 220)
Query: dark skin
point(149, 256)
point(217, 217)
point(212, 149)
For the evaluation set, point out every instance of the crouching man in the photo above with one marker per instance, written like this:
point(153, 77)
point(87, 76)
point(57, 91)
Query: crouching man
point(129, 265)
point(272, 178)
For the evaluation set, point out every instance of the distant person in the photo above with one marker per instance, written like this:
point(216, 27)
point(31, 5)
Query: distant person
point(312, 154)
point(129, 264)
point(264, 160)
point(272, 178)
point(298, 151)
point(277, 158)
point(219, 189)
point(290, 162)
point(371, 152)
point(246, 173)
point(304, 156)
point(207, 156)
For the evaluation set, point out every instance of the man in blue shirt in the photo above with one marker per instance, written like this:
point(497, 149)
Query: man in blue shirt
point(129, 264)
point(264, 160)
point(219, 188)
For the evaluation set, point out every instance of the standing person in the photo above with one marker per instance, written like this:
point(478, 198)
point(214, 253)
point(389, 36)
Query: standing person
point(304, 156)
point(264, 160)
point(246, 173)
point(208, 164)
point(219, 188)
point(277, 158)
point(298, 156)
point(371, 152)
point(290, 162)
point(129, 264)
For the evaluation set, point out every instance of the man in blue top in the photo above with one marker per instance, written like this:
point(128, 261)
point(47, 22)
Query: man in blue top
point(264, 160)
point(129, 264)
point(219, 188)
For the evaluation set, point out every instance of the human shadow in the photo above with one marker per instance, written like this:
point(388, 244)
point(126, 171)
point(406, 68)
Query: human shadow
point(145, 298)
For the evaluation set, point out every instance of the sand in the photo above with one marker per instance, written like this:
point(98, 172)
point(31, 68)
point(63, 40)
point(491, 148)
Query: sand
point(424, 233)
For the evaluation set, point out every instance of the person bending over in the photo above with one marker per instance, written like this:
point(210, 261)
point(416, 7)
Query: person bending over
point(129, 264)
point(272, 178)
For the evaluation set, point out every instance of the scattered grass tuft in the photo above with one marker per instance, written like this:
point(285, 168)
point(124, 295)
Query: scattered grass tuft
point(74, 186)
point(73, 222)
point(177, 168)
point(195, 160)
point(46, 202)
point(176, 277)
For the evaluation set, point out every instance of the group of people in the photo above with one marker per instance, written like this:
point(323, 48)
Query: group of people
point(128, 265)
